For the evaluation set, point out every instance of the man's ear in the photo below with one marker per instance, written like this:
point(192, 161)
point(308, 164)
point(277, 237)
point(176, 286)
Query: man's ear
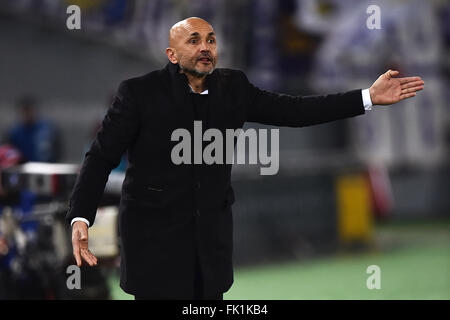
point(170, 52)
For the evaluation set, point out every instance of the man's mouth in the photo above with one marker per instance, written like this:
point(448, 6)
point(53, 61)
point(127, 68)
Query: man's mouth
point(205, 60)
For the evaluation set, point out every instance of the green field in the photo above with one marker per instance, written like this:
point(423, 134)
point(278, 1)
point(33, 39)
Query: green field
point(414, 260)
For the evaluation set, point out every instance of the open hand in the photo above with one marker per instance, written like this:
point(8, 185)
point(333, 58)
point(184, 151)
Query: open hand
point(80, 244)
point(389, 90)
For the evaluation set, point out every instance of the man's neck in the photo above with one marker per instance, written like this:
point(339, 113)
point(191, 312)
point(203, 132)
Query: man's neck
point(197, 83)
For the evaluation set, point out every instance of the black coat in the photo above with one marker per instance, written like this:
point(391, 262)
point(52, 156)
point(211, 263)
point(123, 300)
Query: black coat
point(167, 210)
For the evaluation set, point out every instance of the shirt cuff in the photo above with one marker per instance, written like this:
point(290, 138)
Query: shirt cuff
point(367, 102)
point(79, 219)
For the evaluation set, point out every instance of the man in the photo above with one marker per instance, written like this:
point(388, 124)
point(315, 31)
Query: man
point(175, 221)
point(36, 138)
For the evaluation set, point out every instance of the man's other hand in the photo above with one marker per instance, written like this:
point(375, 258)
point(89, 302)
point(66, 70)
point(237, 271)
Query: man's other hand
point(389, 90)
point(80, 244)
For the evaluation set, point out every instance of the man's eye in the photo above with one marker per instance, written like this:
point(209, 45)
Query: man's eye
point(193, 41)
point(211, 41)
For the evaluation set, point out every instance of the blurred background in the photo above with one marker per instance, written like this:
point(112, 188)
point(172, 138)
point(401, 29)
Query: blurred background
point(371, 190)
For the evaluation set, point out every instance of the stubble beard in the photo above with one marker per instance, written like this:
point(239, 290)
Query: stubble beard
point(194, 72)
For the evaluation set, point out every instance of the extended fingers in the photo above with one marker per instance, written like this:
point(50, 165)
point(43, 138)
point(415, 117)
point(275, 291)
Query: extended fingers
point(409, 79)
point(80, 248)
point(412, 84)
point(85, 253)
point(407, 95)
point(88, 257)
point(413, 89)
point(76, 246)
point(76, 252)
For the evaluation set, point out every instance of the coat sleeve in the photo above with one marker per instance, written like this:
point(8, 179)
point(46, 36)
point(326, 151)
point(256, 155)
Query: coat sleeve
point(119, 128)
point(298, 111)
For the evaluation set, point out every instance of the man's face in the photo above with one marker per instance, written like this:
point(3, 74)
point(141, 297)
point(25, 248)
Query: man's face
point(193, 46)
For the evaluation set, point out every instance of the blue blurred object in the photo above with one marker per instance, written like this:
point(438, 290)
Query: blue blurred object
point(36, 141)
point(114, 11)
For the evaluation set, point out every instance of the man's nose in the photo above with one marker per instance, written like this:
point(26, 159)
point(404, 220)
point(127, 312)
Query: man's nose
point(204, 46)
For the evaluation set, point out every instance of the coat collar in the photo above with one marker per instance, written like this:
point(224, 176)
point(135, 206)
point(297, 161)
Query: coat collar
point(180, 92)
point(180, 78)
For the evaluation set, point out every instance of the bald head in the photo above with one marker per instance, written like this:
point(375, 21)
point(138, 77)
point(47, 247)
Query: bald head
point(192, 44)
point(182, 27)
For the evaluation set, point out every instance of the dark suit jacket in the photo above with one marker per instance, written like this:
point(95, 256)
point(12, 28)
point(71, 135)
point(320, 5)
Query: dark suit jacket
point(167, 210)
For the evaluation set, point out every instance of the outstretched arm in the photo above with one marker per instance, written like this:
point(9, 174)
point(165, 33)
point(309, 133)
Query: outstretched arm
point(298, 111)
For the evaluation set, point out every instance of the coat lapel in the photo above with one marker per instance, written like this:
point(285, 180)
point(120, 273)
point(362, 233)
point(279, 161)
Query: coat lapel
point(179, 88)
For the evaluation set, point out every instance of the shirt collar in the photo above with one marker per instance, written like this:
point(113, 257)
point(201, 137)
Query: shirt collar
point(203, 92)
